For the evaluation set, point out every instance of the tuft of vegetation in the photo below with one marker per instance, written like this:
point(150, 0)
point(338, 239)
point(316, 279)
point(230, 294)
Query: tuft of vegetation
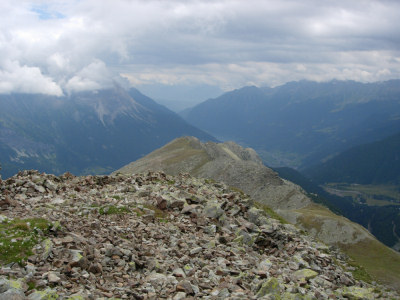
point(235, 189)
point(359, 272)
point(158, 213)
point(270, 212)
point(18, 236)
point(209, 181)
point(31, 285)
point(113, 210)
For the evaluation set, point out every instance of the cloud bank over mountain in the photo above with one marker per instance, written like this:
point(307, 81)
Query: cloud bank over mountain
point(56, 47)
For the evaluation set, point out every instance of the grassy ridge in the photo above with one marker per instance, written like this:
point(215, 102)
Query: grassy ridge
point(379, 261)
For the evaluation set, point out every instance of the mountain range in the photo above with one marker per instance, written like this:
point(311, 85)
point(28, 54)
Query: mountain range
point(87, 132)
point(300, 124)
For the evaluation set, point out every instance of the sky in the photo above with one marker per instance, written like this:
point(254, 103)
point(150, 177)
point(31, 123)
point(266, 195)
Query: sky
point(58, 47)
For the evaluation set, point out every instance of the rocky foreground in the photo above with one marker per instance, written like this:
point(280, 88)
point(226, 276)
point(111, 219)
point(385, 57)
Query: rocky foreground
point(155, 236)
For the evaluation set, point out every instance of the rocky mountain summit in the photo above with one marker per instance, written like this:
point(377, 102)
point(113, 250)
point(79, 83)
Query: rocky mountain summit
point(157, 236)
point(242, 169)
point(227, 162)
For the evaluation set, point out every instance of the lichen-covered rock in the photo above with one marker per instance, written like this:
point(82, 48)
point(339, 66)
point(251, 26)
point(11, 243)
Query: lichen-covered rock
point(12, 294)
point(76, 297)
point(256, 216)
point(357, 293)
point(269, 286)
point(47, 247)
point(243, 237)
point(213, 210)
point(304, 274)
point(47, 294)
point(7, 284)
point(11, 289)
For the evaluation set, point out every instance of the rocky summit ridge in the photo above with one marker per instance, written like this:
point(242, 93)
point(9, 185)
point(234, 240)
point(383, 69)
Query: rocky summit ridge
point(227, 162)
point(242, 168)
point(157, 236)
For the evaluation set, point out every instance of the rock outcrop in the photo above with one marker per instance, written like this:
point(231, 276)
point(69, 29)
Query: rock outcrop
point(156, 236)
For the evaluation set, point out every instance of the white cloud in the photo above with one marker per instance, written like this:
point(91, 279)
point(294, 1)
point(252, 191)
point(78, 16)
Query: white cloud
point(95, 76)
point(25, 79)
point(78, 45)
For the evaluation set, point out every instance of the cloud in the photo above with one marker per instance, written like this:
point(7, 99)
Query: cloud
point(24, 79)
point(95, 76)
point(78, 45)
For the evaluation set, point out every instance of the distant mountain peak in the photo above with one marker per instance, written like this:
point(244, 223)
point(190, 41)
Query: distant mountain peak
point(85, 132)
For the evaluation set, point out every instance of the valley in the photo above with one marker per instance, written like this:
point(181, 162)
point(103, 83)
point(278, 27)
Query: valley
point(371, 195)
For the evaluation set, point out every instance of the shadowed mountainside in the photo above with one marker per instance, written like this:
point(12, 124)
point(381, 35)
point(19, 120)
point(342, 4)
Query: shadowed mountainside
point(87, 132)
point(372, 163)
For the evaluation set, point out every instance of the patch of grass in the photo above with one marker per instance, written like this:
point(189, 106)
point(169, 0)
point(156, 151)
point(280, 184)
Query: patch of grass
point(31, 285)
point(237, 190)
point(311, 222)
point(374, 259)
point(360, 273)
point(138, 212)
point(18, 236)
point(158, 213)
point(270, 212)
point(380, 262)
point(113, 210)
point(117, 197)
point(209, 181)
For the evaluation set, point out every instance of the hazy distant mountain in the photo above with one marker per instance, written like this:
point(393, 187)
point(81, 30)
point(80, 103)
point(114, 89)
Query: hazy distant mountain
point(372, 163)
point(301, 123)
point(178, 97)
point(88, 132)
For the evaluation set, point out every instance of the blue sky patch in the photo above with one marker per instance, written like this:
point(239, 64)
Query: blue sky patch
point(45, 13)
